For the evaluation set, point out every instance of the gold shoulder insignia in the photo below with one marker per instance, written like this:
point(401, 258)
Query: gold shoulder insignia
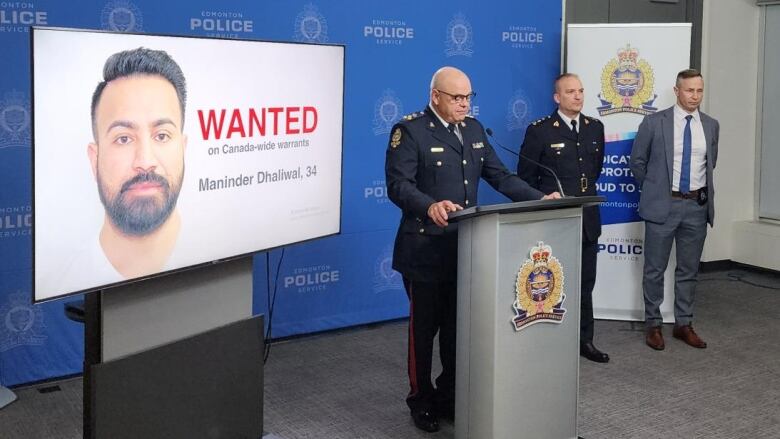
point(413, 116)
point(396, 139)
point(556, 124)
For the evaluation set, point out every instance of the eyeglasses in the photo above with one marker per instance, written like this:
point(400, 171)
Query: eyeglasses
point(459, 99)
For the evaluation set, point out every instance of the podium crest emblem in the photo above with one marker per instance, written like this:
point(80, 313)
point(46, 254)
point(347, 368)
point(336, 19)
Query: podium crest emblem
point(539, 289)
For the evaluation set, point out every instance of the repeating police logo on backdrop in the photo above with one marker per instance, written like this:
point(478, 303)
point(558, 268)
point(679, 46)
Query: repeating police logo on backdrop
point(15, 221)
point(22, 323)
point(518, 111)
point(388, 31)
point(222, 23)
point(312, 279)
point(539, 289)
point(122, 16)
point(19, 16)
point(385, 278)
point(311, 26)
point(627, 84)
point(460, 37)
point(376, 190)
point(522, 37)
point(14, 120)
point(387, 111)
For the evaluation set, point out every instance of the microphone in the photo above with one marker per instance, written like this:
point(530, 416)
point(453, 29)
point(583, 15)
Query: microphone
point(520, 154)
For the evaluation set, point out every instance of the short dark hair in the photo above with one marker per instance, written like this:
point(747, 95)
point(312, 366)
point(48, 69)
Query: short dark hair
point(141, 61)
point(561, 77)
point(686, 74)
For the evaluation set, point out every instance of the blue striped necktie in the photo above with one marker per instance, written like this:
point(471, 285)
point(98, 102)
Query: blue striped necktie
point(685, 169)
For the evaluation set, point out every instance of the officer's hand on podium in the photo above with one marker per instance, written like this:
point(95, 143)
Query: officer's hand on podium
point(552, 196)
point(438, 211)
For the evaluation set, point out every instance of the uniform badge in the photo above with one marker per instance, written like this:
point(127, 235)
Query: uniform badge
point(437, 149)
point(396, 139)
point(432, 125)
point(477, 145)
point(539, 289)
point(557, 146)
point(556, 124)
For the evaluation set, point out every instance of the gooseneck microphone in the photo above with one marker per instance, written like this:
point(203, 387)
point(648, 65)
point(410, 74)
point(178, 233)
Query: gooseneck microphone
point(520, 154)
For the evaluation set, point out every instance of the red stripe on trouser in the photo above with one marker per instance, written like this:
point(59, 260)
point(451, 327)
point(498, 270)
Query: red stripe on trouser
point(412, 366)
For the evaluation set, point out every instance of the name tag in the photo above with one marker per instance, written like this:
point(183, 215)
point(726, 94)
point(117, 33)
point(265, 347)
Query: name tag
point(557, 145)
point(437, 149)
point(477, 145)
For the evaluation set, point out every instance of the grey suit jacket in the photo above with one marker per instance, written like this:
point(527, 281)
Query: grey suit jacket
point(652, 158)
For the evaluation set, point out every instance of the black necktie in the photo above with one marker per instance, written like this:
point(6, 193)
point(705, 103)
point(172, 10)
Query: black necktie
point(574, 126)
point(451, 127)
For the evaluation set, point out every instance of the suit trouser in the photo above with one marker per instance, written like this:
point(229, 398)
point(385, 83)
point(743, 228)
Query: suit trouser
point(687, 227)
point(588, 280)
point(432, 309)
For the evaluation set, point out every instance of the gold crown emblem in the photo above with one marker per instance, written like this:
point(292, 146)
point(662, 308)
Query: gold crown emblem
point(541, 253)
point(627, 54)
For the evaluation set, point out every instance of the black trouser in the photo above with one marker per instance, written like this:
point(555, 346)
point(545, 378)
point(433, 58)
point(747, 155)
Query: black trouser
point(588, 274)
point(432, 309)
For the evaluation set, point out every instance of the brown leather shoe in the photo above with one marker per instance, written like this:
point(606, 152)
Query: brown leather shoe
point(655, 338)
point(688, 335)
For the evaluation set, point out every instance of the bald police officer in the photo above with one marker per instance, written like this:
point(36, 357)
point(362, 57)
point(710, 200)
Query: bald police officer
point(434, 162)
point(573, 145)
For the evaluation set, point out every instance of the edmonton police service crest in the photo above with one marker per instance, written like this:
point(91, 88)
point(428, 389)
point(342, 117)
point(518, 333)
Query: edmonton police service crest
point(14, 120)
point(311, 26)
point(460, 39)
point(539, 289)
point(627, 84)
point(387, 111)
point(122, 16)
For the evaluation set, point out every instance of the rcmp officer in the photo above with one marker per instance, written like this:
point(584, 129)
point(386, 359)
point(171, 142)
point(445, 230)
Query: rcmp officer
point(572, 144)
point(434, 162)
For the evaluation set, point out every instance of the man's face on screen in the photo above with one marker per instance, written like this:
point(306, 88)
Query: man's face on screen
point(138, 157)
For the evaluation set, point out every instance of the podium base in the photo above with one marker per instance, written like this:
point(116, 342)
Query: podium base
point(6, 397)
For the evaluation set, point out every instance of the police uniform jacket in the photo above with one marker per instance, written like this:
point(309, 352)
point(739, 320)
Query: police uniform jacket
point(426, 163)
point(577, 158)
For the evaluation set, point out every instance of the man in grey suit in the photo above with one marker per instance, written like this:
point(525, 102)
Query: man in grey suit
point(673, 158)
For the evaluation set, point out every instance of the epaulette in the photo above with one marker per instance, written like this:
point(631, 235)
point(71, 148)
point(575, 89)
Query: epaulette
point(414, 115)
point(538, 121)
point(592, 119)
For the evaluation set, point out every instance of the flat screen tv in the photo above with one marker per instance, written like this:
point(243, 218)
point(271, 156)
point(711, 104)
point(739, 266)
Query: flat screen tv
point(153, 154)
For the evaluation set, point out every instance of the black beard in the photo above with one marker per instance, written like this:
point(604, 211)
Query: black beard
point(140, 216)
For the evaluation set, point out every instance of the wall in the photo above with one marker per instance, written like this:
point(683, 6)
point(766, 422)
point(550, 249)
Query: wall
point(730, 57)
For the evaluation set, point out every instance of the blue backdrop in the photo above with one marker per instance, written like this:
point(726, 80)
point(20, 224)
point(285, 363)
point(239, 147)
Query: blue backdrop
point(511, 50)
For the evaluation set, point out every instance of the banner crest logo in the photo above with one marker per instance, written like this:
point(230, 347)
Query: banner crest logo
point(385, 278)
point(311, 26)
point(122, 16)
point(627, 84)
point(14, 120)
point(21, 323)
point(517, 112)
point(539, 289)
point(460, 38)
point(387, 111)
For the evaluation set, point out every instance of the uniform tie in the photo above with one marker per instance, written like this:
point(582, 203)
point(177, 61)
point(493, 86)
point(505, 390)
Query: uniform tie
point(453, 129)
point(574, 126)
point(685, 168)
